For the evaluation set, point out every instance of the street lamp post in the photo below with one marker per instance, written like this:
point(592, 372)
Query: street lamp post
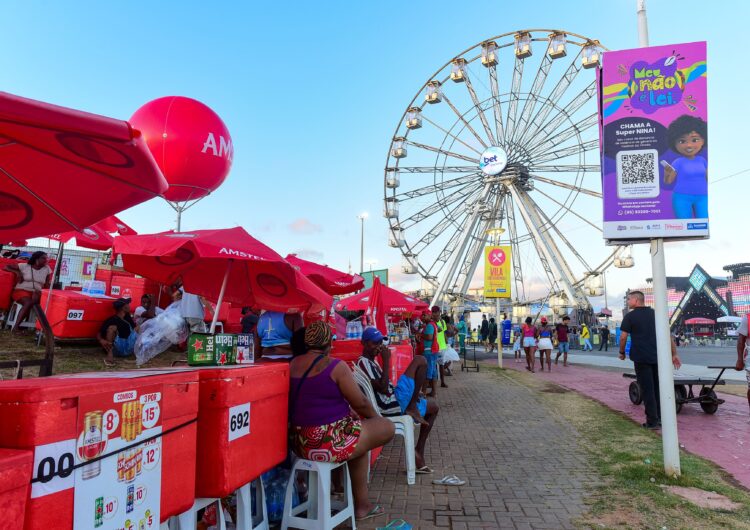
point(670, 443)
point(362, 218)
point(494, 235)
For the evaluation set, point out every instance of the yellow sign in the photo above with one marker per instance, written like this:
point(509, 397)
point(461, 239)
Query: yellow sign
point(497, 272)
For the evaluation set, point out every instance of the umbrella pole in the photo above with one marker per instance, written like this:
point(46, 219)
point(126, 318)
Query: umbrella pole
point(52, 285)
point(221, 297)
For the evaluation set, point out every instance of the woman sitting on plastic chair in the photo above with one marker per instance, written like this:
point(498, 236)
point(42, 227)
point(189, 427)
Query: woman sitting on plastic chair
point(33, 276)
point(323, 394)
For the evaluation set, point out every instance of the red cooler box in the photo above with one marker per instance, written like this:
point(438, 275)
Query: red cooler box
point(242, 425)
point(132, 287)
point(15, 479)
point(7, 283)
point(65, 417)
point(73, 315)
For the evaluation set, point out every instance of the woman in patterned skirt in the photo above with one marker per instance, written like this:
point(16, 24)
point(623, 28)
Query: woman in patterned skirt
point(332, 420)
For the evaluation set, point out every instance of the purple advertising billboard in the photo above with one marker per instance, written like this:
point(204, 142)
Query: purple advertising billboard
point(654, 142)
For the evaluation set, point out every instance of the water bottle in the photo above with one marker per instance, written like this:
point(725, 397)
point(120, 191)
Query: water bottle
point(358, 330)
point(349, 331)
point(276, 502)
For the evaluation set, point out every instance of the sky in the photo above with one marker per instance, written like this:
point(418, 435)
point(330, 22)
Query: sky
point(312, 91)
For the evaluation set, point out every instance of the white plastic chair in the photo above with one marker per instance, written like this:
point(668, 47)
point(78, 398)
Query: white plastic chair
point(13, 315)
point(246, 520)
point(404, 424)
point(318, 505)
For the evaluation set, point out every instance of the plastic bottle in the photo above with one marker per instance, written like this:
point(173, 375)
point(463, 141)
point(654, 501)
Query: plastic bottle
point(358, 330)
point(349, 330)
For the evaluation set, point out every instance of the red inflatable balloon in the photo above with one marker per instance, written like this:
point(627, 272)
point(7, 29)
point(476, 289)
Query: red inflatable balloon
point(190, 143)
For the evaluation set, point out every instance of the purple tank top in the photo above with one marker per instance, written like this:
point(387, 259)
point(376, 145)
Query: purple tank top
point(319, 401)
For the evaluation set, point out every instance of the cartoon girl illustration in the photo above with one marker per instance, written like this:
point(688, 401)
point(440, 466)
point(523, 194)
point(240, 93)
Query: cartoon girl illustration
point(687, 135)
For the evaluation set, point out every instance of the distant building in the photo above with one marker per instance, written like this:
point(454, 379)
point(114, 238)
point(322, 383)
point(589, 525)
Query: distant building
point(701, 296)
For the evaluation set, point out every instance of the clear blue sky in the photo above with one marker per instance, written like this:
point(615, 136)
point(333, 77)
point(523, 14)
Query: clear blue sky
point(312, 91)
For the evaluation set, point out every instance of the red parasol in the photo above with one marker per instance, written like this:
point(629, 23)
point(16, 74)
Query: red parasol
point(328, 279)
point(228, 262)
point(376, 310)
point(96, 236)
point(64, 169)
point(391, 300)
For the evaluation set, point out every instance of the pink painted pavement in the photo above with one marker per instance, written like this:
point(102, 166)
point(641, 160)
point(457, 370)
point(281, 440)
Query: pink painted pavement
point(723, 437)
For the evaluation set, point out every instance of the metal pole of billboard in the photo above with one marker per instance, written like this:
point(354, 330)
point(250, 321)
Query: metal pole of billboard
point(670, 442)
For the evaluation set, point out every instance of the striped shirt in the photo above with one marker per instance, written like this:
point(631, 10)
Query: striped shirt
point(387, 403)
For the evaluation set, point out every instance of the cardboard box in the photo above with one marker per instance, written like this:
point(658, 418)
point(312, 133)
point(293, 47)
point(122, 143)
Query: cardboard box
point(244, 352)
point(211, 350)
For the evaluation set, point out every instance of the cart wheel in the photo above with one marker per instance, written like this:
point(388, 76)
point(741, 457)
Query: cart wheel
point(710, 405)
point(636, 398)
point(680, 395)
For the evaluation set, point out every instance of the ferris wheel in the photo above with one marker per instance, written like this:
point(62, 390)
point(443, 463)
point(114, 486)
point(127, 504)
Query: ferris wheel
point(503, 139)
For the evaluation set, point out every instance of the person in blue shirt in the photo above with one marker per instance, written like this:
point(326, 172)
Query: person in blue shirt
point(687, 136)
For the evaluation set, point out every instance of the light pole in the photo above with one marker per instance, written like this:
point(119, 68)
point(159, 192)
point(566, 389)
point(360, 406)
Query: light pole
point(362, 218)
point(494, 236)
point(670, 443)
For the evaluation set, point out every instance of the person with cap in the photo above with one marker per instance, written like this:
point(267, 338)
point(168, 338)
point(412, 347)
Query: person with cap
point(249, 321)
point(118, 333)
point(544, 343)
point(405, 397)
point(322, 395)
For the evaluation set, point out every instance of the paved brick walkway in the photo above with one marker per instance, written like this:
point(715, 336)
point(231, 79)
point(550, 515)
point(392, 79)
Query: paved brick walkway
point(523, 466)
point(722, 437)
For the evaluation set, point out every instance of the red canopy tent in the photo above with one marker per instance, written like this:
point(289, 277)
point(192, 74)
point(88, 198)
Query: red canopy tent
point(228, 262)
point(63, 169)
point(328, 279)
point(391, 301)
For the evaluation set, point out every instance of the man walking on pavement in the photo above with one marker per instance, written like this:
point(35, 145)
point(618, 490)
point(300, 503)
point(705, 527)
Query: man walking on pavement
point(743, 345)
point(640, 324)
point(604, 336)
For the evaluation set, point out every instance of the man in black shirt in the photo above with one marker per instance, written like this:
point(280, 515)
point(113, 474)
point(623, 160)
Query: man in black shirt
point(604, 336)
point(118, 333)
point(640, 324)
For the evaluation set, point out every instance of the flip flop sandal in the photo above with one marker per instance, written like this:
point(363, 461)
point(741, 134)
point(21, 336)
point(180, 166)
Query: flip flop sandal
point(449, 480)
point(377, 511)
point(109, 364)
point(424, 470)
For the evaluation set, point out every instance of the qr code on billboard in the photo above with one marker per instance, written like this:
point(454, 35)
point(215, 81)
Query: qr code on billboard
point(638, 174)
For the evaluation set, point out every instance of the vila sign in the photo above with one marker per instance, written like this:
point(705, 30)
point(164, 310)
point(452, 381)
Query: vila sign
point(497, 272)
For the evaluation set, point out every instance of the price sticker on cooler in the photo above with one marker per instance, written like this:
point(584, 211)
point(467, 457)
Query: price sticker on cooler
point(75, 314)
point(239, 421)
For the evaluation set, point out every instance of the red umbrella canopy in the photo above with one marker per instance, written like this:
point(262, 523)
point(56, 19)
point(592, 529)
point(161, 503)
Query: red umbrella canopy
point(92, 237)
point(699, 320)
point(391, 300)
point(96, 236)
point(258, 276)
point(328, 279)
point(64, 169)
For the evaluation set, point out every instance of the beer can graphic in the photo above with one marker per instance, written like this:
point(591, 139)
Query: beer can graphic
point(138, 460)
point(128, 431)
point(92, 443)
point(98, 512)
point(121, 466)
point(129, 466)
point(138, 418)
point(131, 499)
